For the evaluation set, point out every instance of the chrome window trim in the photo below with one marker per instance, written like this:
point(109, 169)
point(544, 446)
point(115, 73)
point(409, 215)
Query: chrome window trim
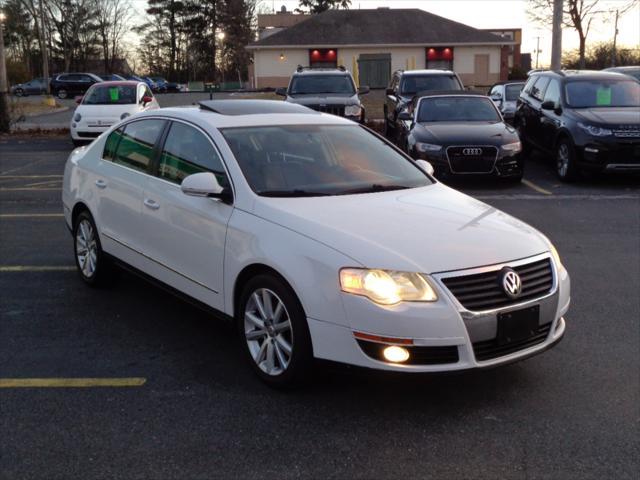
point(468, 314)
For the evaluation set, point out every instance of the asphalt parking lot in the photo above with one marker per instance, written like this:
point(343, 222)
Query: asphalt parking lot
point(180, 402)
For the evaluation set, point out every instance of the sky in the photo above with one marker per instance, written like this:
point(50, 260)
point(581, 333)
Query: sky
point(503, 14)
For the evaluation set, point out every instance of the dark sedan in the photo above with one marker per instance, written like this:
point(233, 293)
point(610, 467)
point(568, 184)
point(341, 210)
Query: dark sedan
point(461, 133)
point(36, 86)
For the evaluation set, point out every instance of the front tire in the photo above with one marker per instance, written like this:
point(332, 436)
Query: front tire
point(19, 92)
point(94, 267)
point(566, 168)
point(274, 333)
point(62, 94)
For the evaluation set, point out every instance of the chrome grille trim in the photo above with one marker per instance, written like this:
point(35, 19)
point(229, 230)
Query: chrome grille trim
point(493, 166)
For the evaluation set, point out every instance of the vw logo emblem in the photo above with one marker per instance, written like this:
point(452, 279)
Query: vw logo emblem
point(511, 283)
point(472, 151)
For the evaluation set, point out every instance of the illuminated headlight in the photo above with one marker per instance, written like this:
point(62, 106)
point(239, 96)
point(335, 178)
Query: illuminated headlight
point(595, 131)
point(387, 287)
point(125, 115)
point(352, 110)
point(428, 147)
point(514, 147)
point(555, 255)
point(77, 117)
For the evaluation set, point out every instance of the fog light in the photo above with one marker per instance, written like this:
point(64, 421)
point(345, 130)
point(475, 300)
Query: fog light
point(396, 354)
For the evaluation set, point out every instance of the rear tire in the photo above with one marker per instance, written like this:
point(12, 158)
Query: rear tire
point(62, 94)
point(273, 330)
point(94, 267)
point(19, 92)
point(565, 157)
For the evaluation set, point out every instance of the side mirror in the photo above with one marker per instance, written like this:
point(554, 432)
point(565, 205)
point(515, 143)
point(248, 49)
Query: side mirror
point(390, 91)
point(79, 100)
point(363, 90)
point(425, 167)
point(204, 184)
point(496, 97)
point(405, 116)
point(281, 91)
point(146, 99)
point(548, 105)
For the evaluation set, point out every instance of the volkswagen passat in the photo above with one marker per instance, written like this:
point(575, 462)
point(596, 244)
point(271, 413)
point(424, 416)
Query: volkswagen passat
point(317, 237)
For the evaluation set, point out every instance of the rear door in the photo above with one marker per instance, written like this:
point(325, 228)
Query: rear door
point(119, 182)
point(550, 121)
point(185, 236)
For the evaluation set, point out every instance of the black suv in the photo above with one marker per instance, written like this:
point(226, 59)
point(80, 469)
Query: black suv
point(330, 90)
point(589, 121)
point(404, 85)
point(67, 84)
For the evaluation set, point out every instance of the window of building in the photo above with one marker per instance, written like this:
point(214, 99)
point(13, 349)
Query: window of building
point(323, 57)
point(440, 58)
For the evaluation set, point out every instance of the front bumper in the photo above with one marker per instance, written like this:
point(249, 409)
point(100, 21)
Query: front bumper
point(504, 166)
point(444, 335)
point(610, 155)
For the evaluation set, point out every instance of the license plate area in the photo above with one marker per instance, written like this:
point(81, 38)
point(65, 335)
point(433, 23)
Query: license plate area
point(518, 325)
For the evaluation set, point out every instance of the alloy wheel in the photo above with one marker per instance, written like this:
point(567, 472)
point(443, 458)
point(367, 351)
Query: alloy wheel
point(268, 332)
point(86, 248)
point(562, 160)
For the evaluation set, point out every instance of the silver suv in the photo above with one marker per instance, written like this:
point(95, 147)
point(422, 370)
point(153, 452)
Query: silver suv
point(330, 90)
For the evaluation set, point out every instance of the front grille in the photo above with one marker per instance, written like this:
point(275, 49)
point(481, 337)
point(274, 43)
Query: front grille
point(332, 109)
point(483, 291)
point(417, 355)
point(89, 134)
point(489, 349)
point(472, 159)
point(627, 131)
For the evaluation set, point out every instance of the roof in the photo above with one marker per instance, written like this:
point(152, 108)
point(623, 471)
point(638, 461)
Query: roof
point(378, 27)
point(322, 71)
point(432, 71)
point(119, 83)
point(581, 74)
point(253, 107)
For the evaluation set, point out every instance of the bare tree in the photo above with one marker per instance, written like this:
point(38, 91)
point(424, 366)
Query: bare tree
point(112, 21)
point(578, 14)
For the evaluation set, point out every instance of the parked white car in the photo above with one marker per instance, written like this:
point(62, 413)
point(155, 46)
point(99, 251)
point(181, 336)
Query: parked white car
point(107, 103)
point(317, 237)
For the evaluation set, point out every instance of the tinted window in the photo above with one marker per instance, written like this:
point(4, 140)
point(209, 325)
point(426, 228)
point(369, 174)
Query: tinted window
point(603, 93)
point(306, 84)
point(187, 151)
point(111, 95)
point(513, 92)
point(111, 144)
point(457, 109)
point(538, 89)
point(553, 92)
point(412, 84)
point(135, 149)
point(299, 160)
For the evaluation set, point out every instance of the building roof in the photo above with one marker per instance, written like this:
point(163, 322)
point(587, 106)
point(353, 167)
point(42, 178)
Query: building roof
point(382, 26)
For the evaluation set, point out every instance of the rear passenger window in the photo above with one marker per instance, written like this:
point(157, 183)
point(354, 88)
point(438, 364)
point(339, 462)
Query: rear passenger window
point(187, 151)
point(553, 92)
point(111, 144)
point(135, 148)
point(538, 89)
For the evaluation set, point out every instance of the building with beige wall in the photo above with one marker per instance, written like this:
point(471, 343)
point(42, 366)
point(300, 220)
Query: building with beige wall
point(374, 43)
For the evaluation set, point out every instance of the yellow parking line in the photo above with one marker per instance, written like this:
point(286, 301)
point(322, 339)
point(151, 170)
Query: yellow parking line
point(35, 268)
point(71, 382)
point(535, 187)
point(30, 176)
point(31, 215)
point(22, 189)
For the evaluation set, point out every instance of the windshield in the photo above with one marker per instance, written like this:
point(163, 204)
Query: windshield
point(603, 93)
point(309, 84)
point(316, 160)
point(457, 109)
point(429, 83)
point(513, 92)
point(113, 95)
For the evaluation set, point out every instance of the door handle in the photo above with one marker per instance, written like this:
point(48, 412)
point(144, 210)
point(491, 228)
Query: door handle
point(152, 204)
point(101, 184)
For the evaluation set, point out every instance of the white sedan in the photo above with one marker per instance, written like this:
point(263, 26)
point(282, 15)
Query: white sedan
point(107, 103)
point(317, 237)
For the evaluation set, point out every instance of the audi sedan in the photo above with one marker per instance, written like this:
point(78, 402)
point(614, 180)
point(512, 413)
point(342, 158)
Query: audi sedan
point(316, 237)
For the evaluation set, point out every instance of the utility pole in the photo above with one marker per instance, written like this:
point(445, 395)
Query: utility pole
point(556, 43)
point(537, 50)
point(615, 38)
point(4, 98)
point(45, 54)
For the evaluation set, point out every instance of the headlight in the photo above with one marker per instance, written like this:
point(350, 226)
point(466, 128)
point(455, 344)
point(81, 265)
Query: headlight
point(595, 131)
point(352, 110)
point(77, 117)
point(387, 287)
point(514, 147)
point(124, 115)
point(555, 255)
point(428, 147)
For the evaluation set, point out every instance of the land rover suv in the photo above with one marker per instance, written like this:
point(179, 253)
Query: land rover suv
point(329, 90)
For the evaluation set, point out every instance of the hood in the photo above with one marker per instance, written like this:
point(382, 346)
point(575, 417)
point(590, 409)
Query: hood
point(328, 99)
point(470, 133)
point(429, 229)
point(609, 116)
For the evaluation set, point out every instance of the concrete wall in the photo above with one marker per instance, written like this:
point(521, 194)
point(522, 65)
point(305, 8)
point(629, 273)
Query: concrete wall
point(464, 64)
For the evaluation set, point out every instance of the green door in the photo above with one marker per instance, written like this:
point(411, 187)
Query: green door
point(374, 69)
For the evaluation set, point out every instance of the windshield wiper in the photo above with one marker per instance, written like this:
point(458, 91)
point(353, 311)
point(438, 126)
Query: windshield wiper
point(376, 187)
point(292, 193)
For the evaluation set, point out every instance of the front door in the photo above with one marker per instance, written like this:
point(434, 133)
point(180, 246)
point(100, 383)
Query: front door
point(184, 235)
point(374, 69)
